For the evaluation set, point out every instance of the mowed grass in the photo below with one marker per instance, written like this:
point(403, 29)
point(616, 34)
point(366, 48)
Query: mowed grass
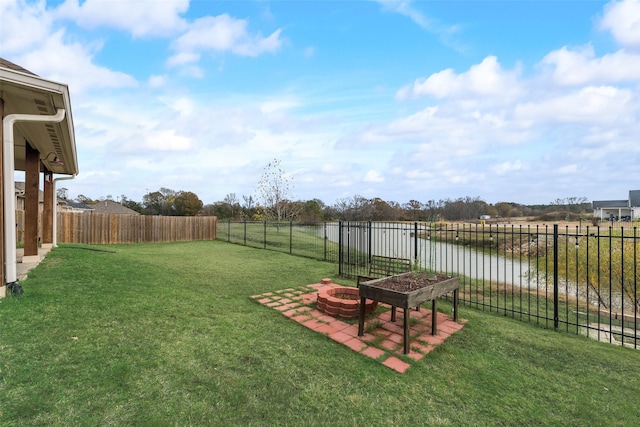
point(166, 334)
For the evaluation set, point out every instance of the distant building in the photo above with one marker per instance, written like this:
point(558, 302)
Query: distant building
point(62, 204)
point(19, 189)
point(20, 197)
point(71, 206)
point(618, 210)
point(111, 207)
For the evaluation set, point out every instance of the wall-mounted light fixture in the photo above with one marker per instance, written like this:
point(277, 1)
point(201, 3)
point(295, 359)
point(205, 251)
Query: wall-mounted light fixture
point(56, 160)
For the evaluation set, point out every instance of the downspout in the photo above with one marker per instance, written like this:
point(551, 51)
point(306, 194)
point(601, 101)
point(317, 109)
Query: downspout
point(9, 185)
point(55, 208)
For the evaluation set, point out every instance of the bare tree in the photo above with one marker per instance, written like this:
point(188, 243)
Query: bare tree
point(233, 202)
point(413, 209)
point(249, 206)
point(275, 192)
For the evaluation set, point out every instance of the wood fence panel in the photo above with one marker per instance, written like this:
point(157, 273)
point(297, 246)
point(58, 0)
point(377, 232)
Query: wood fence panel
point(96, 229)
point(20, 226)
point(91, 228)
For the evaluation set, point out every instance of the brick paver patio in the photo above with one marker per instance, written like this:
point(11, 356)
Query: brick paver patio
point(382, 343)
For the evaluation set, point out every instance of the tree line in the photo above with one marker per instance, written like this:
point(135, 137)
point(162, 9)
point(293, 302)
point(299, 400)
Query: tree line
point(165, 201)
point(356, 208)
point(275, 202)
point(359, 208)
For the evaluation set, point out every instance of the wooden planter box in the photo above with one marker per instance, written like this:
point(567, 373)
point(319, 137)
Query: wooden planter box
point(389, 290)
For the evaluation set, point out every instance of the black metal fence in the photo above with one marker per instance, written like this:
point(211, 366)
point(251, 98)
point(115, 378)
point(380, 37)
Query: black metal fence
point(311, 241)
point(582, 280)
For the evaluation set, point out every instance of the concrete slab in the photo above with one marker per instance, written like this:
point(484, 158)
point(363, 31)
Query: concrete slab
point(25, 264)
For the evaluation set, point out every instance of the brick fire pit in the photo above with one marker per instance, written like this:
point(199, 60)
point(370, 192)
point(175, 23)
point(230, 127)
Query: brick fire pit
point(342, 302)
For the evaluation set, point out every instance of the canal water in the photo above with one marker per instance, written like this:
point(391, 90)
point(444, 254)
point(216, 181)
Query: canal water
point(399, 240)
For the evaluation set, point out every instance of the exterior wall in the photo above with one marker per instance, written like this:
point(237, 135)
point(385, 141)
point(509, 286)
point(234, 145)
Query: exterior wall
point(606, 214)
point(607, 210)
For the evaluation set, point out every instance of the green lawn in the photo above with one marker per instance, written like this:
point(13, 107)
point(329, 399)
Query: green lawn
point(166, 334)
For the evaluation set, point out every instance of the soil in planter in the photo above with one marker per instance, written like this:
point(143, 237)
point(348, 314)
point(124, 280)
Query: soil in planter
point(411, 281)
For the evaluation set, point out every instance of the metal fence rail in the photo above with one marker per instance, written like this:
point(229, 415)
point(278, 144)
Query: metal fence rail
point(581, 280)
point(307, 240)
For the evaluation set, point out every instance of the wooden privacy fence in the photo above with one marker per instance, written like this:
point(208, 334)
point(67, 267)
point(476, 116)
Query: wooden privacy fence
point(96, 229)
point(20, 226)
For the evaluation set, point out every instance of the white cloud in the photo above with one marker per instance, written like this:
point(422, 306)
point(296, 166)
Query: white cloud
point(30, 40)
point(182, 58)
point(581, 66)
point(182, 105)
point(166, 140)
point(484, 79)
point(221, 34)
point(157, 81)
point(507, 167)
point(373, 176)
point(278, 104)
point(23, 27)
point(405, 7)
point(592, 104)
point(140, 18)
point(622, 19)
point(53, 56)
point(568, 169)
point(408, 9)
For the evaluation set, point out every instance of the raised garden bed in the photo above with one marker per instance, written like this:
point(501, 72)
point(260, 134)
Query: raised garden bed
point(409, 290)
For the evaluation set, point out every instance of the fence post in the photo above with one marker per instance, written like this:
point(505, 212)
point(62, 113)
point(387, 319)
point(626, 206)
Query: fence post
point(340, 254)
point(265, 234)
point(324, 254)
point(290, 237)
point(555, 277)
point(415, 243)
point(369, 243)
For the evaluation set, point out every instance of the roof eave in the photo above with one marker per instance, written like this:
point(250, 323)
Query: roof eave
point(48, 87)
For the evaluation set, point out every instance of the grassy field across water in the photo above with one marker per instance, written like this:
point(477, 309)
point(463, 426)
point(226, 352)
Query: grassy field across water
point(166, 334)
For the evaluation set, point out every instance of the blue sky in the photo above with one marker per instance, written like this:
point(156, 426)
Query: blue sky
point(517, 101)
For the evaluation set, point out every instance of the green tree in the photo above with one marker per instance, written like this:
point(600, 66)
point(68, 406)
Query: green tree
point(133, 205)
point(186, 203)
point(84, 199)
point(311, 212)
point(381, 210)
point(504, 209)
point(210, 210)
point(220, 209)
point(154, 203)
point(159, 202)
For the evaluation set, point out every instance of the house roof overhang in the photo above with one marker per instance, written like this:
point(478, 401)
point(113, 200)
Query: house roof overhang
point(26, 93)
